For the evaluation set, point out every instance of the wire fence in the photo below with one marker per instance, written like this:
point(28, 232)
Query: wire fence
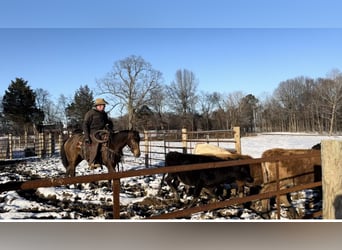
point(157, 144)
point(154, 144)
point(39, 145)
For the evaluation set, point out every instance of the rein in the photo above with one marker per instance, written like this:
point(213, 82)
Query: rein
point(105, 147)
point(110, 152)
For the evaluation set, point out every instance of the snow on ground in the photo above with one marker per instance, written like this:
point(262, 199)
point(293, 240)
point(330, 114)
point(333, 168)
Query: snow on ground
point(256, 145)
point(138, 197)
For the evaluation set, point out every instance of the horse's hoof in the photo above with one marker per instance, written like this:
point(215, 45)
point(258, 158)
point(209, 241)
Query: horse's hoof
point(94, 166)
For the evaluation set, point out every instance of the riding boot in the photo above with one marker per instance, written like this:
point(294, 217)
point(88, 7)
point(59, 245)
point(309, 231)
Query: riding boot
point(93, 148)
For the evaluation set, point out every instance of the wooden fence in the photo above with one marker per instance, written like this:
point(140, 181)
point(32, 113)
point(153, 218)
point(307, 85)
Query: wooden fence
point(39, 145)
point(332, 191)
point(115, 177)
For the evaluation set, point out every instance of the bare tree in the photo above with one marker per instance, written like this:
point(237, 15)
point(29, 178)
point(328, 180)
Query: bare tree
point(130, 85)
point(271, 118)
point(208, 102)
point(61, 109)
point(248, 109)
point(331, 96)
point(182, 96)
point(232, 104)
point(290, 95)
point(44, 103)
point(157, 104)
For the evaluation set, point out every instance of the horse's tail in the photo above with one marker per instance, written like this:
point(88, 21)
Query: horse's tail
point(63, 156)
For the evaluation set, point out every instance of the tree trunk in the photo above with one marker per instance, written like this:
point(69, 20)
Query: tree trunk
point(332, 119)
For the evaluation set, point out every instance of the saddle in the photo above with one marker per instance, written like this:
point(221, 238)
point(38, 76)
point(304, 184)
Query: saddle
point(90, 152)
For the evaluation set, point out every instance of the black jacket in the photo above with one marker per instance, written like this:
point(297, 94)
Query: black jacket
point(95, 120)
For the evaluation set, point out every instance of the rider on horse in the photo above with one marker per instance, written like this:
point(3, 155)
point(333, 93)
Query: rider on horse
point(94, 120)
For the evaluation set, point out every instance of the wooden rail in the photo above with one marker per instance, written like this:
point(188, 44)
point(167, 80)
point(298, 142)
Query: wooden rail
point(116, 176)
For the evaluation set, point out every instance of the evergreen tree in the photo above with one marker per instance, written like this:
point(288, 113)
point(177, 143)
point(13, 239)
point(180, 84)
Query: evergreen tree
point(19, 105)
point(83, 101)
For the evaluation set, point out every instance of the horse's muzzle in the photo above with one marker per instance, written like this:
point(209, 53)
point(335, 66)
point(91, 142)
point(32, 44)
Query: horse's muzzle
point(136, 153)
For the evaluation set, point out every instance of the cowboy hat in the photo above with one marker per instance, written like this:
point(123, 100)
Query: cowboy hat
point(100, 101)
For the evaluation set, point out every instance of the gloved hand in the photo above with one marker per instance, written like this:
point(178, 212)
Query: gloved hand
point(108, 127)
point(87, 141)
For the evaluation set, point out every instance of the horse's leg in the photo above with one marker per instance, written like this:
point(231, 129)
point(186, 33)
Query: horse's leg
point(120, 161)
point(67, 171)
point(70, 169)
point(111, 169)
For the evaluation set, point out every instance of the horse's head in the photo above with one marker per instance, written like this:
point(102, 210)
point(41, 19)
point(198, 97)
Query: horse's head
point(116, 141)
point(133, 142)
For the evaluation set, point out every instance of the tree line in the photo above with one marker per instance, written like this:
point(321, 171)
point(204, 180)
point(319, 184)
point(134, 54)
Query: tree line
point(136, 90)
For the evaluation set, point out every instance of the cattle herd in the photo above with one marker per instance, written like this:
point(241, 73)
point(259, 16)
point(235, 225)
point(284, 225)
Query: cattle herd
point(259, 177)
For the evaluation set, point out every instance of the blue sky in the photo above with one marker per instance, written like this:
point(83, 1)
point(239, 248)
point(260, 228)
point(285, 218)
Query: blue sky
point(170, 14)
point(224, 60)
point(228, 46)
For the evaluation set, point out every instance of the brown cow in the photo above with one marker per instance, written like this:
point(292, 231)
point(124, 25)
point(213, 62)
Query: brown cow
point(204, 178)
point(291, 172)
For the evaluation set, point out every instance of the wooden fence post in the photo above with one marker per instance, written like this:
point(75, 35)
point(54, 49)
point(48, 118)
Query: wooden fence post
point(40, 145)
point(60, 142)
point(116, 198)
point(25, 139)
point(10, 146)
point(184, 140)
point(49, 145)
point(332, 179)
point(146, 148)
point(237, 139)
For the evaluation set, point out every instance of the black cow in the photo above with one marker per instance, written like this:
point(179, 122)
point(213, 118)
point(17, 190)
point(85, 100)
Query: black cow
point(205, 178)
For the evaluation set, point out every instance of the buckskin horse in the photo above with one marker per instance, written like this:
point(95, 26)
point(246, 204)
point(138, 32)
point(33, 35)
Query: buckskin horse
point(73, 149)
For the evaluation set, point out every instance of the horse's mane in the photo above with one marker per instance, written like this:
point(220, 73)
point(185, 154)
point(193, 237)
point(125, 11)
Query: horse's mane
point(77, 131)
point(126, 131)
